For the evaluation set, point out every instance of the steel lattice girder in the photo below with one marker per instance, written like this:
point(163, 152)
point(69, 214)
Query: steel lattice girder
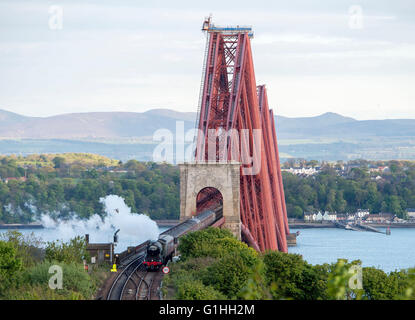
point(230, 99)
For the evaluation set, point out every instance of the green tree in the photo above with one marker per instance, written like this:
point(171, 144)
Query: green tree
point(200, 244)
point(28, 248)
point(58, 162)
point(73, 251)
point(293, 277)
point(75, 279)
point(338, 276)
point(228, 275)
point(10, 265)
point(196, 290)
point(378, 285)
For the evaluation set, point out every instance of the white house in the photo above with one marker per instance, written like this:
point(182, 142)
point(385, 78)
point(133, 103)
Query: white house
point(361, 213)
point(319, 216)
point(308, 216)
point(411, 212)
point(351, 217)
point(329, 216)
point(302, 171)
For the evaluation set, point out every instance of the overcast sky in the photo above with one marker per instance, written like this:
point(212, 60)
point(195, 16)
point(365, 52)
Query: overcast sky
point(115, 55)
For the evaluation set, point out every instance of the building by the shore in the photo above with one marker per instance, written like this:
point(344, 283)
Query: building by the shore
point(411, 213)
point(333, 216)
point(302, 171)
point(384, 217)
point(362, 213)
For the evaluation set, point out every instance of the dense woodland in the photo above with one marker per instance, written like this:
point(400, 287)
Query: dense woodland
point(63, 186)
point(343, 191)
point(67, 185)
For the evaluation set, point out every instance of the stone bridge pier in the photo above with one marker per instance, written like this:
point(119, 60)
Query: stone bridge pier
point(225, 177)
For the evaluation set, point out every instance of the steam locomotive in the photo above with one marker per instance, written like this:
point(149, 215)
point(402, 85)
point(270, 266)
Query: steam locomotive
point(159, 252)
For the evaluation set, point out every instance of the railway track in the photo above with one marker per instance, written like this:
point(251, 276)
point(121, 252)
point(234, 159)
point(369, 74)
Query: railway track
point(153, 280)
point(120, 283)
point(143, 291)
point(135, 283)
point(142, 285)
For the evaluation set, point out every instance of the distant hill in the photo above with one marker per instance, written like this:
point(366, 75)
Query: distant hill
point(114, 125)
point(333, 125)
point(9, 118)
point(331, 118)
point(129, 135)
point(91, 125)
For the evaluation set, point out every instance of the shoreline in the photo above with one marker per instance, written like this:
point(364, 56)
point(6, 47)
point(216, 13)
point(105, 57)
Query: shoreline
point(171, 223)
point(308, 225)
point(21, 226)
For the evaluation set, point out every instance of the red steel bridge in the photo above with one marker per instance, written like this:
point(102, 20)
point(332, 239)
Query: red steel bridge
point(231, 101)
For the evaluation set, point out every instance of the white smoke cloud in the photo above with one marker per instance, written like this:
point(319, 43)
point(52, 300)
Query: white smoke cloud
point(134, 228)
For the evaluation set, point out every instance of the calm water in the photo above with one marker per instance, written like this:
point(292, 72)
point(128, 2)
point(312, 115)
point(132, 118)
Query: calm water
point(388, 253)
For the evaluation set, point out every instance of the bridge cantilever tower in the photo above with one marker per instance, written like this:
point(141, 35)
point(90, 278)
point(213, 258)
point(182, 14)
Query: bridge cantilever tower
point(231, 101)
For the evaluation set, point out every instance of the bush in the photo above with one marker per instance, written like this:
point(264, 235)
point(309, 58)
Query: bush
point(38, 292)
point(228, 274)
point(215, 243)
point(27, 247)
point(74, 277)
point(10, 265)
point(215, 259)
point(381, 286)
point(216, 265)
point(256, 287)
point(293, 277)
point(202, 243)
point(196, 290)
point(377, 284)
point(231, 265)
point(186, 272)
point(73, 251)
point(409, 288)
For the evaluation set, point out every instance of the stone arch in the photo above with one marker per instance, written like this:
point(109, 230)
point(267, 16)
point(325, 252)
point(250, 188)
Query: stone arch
point(213, 194)
point(223, 176)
